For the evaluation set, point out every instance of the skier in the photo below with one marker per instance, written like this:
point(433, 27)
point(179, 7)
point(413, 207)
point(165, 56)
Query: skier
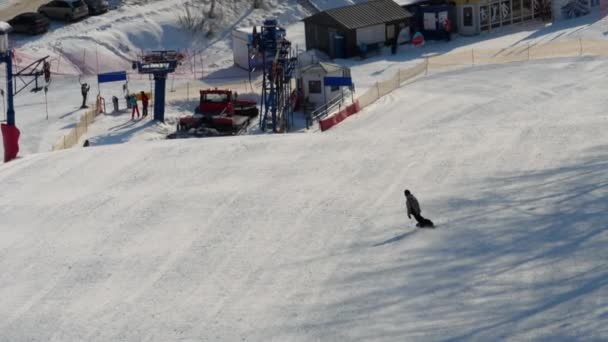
point(133, 101)
point(144, 104)
point(413, 208)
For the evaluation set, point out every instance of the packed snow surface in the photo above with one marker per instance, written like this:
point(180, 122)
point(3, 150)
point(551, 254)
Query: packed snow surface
point(304, 237)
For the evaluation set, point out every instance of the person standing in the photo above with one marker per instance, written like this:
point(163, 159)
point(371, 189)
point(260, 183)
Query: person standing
point(84, 89)
point(46, 69)
point(133, 101)
point(144, 104)
point(413, 208)
point(447, 27)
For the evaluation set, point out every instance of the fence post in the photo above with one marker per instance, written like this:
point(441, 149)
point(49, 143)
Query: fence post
point(580, 44)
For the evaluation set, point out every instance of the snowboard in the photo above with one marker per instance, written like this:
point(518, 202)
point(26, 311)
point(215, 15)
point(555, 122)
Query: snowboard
point(428, 224)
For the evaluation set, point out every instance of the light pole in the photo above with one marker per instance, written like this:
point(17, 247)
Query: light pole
point(10, 133)
point(5, 56)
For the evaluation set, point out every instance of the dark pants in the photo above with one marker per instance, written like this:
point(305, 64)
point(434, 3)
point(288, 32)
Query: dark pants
point(145, 111)
point(422, 222)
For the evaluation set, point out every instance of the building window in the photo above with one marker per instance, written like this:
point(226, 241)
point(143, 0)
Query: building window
point(517, 10)
point(314, 87)
point(527, 9)
point(467, 14)
point(335, 88)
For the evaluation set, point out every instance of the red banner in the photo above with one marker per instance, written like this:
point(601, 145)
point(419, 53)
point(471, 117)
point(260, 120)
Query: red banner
point(335, 119)
point(10, 136)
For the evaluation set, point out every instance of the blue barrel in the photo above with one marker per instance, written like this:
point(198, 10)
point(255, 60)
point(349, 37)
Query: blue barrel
point(340, 46)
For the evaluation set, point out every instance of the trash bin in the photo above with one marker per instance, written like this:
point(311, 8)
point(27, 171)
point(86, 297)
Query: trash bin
point(115, 103)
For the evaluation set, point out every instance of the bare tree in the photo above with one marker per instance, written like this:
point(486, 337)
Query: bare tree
point(211, 13)
point(192, 18)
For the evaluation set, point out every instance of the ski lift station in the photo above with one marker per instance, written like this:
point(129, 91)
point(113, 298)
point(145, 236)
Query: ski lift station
point(313, 86)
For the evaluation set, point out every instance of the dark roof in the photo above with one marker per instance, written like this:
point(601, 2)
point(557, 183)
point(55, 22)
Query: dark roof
point(369, 13)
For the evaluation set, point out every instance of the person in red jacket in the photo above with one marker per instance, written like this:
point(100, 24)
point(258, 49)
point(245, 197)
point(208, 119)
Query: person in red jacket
point(144, 104)
point(447, 27)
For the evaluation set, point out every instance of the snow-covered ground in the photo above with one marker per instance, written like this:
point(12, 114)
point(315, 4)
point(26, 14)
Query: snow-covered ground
point(110, 42)
point(300, 237)
point(40, 134)
point(304, 237)
point(106, 43)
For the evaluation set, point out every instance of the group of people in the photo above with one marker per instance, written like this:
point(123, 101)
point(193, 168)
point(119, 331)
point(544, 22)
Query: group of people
point(446, 29)
point(132, 102)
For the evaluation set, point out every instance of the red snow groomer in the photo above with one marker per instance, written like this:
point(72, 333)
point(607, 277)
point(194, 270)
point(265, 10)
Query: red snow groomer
point(220, 110)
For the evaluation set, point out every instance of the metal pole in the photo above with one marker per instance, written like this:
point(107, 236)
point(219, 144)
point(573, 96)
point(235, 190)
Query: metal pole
point(10, 111)
point(159, 96)
point(46, 102)
point(3, 105)
point(194, 64)
point(472, 57)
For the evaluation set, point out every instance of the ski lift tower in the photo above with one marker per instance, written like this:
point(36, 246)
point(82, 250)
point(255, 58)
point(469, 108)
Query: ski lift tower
point(279, 66)
point(10, 133)
point(159, 64)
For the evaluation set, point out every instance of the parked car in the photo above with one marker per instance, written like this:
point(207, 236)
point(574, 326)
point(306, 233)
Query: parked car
point(30, 23)
point(97, 6)
point(68, 10)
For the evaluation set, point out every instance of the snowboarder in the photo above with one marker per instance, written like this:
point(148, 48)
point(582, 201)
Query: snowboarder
point(144, 104)
point(133, 101)
point(84, 89)
point(413, 208)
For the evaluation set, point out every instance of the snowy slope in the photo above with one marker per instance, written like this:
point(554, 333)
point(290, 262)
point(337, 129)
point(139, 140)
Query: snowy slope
point(304, 237)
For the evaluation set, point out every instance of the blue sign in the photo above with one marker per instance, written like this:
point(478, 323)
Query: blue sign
point(338, 81)
point(112, 77)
